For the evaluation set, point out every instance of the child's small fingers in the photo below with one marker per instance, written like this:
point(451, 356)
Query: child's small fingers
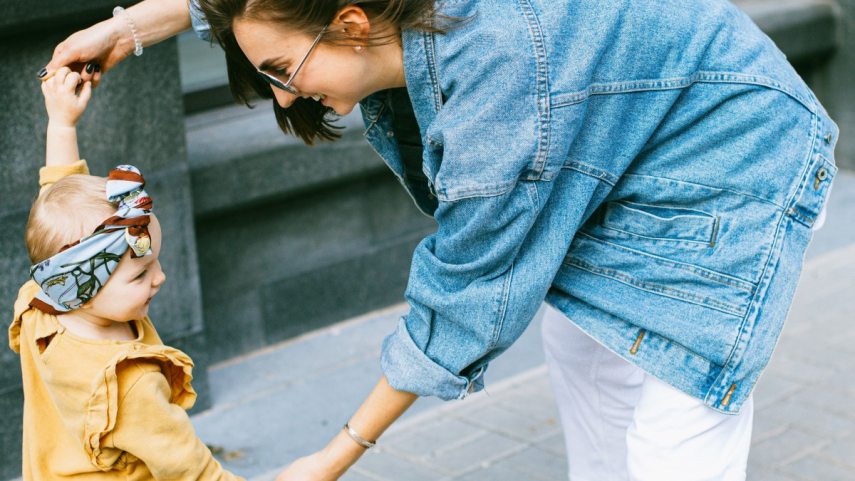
point(96, 79)
point(60, 74)
point(85, 92)
point(72, 80)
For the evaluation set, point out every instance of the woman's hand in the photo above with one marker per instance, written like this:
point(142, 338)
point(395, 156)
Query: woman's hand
point(310, 468)
point(92, 51)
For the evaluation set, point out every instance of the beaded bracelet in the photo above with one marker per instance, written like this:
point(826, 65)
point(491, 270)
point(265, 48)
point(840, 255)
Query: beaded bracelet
point(138, 48)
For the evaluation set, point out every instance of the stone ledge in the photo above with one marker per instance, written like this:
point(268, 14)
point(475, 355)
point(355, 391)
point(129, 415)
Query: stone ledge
point(802, 29)
point(239, 158)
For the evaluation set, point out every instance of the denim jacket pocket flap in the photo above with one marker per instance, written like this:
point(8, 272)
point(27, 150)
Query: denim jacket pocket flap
point(660, 222)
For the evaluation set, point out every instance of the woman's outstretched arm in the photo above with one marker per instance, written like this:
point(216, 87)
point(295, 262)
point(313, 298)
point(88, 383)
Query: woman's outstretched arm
point(109, 42)
point(381, 408)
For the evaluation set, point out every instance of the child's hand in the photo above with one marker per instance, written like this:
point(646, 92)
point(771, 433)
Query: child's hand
point(65, 98)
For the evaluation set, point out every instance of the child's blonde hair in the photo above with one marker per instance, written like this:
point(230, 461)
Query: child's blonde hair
point(64, 213)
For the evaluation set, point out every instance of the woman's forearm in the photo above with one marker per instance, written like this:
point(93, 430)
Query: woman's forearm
point(382, 407)
point(155, 21)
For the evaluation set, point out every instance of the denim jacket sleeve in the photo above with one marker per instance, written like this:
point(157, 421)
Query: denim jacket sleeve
point(200, 24)
point(479, 280)
point(473, 289)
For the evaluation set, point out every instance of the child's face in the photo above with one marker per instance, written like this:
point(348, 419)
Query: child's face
point(131, 287)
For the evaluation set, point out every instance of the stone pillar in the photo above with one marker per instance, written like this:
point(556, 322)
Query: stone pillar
point(135, 116)
point(834, 85)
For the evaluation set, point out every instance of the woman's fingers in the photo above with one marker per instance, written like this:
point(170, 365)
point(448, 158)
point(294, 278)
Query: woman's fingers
point(62, 57)
point(88, 72)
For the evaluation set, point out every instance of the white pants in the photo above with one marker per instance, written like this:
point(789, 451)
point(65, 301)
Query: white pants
point(622, 424)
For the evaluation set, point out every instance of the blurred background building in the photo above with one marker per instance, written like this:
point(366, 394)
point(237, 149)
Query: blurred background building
point(265, 238)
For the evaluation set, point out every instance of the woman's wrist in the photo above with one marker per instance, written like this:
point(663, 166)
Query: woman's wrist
point(123, 37)
point(341, 453)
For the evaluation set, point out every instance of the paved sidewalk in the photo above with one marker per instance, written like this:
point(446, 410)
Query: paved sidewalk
point(288, 400)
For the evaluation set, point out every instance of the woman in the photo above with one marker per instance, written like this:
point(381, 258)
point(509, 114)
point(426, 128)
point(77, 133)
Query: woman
point(653, 177)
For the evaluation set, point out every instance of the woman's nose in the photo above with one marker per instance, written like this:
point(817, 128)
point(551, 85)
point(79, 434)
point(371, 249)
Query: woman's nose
point(283, 98)
point(159, 279)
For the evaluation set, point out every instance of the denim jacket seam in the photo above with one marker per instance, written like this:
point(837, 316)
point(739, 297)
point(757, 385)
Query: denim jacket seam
point(504, 296)
point(542, 83)
point(430, 52)
point(738, 346)
point(808, 165)
point(721, 189)
point(698, 244)
point(675, 83)
point(753, 79)
point(723, 279)
point(721, 382)
point(659, 289)
point(487, 190)
point(592, 171)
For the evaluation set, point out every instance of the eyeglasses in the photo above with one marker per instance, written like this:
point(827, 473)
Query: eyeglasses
point(286, 86)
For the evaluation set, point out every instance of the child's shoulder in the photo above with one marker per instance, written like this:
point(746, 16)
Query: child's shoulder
point(22, 309)
point(146, 364)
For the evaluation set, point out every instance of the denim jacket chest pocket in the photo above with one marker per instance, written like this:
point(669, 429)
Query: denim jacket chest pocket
point(661, 223)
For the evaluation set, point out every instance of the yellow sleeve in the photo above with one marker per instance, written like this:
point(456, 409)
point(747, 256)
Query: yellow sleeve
point(160, 434)
point(51, 174)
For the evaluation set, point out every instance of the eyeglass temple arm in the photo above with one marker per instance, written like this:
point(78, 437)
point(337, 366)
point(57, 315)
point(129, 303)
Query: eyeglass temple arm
point(306, 57)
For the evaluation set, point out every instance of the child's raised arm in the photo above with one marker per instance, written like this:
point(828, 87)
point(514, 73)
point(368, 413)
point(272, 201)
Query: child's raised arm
point(65, 100)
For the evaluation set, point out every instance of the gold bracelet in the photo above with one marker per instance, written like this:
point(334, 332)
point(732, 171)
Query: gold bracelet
point(357, 438)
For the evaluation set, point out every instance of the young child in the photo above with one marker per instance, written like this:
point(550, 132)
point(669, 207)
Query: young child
point(103, 397)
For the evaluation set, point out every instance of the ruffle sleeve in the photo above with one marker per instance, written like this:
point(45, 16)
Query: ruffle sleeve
point(22, 304)
point(104, 402)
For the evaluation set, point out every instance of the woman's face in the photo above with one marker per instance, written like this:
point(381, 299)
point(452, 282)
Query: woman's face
point(338, 76)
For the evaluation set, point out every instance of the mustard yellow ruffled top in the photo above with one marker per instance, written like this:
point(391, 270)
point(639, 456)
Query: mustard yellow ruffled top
point(104, 409)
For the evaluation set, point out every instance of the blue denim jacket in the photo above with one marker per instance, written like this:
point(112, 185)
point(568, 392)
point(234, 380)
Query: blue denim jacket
point(651, 168)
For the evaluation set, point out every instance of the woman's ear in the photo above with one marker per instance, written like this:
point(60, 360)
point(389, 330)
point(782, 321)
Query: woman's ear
point(353, 23)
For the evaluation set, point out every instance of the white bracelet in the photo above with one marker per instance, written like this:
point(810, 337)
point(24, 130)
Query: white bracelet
point(357, 438)
point(137, 42)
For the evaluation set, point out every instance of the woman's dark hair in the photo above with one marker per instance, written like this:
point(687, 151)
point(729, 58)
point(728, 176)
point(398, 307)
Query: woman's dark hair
point(306, 118)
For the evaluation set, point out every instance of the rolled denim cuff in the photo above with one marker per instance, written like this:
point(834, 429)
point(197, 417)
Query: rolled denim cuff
point(200, 24)
point(408, 368)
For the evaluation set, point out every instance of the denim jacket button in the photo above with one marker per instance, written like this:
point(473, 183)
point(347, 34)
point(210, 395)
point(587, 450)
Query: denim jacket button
point(390, 134)
point(829, 137)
